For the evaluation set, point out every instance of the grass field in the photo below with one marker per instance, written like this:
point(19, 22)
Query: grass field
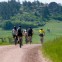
point(55, 31)
point(53, 49)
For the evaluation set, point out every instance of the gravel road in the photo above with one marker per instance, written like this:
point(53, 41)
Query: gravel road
point(28, 53)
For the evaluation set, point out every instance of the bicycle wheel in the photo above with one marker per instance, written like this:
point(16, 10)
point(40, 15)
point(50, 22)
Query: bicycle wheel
point(15, 41)
point(41, 40)
point(20, 42)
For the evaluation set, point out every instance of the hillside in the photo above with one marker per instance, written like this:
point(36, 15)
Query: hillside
point(28, 13)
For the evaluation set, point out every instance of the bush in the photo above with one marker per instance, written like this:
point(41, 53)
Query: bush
point(8, 25)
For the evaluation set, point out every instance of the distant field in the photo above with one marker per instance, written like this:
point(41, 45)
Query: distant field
point(55, 31)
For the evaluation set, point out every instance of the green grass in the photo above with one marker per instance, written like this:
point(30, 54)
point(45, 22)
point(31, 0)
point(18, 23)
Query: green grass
point(53, 49)
point(54, 26)
point(5, 43)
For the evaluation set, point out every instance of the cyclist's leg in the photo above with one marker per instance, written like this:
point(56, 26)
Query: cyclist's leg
point(15, 39)
point(25, 39)
point(30, 39)
point(20, 42)
point(41, 40)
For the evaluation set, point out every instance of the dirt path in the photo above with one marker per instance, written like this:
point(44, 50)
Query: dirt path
point(28, 53)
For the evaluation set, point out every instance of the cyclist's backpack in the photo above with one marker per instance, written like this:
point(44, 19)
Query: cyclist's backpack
point(19, 31)
point(14, 32)
point(30, 31)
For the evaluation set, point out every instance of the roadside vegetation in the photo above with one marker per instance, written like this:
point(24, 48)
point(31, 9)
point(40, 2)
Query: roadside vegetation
point(53, 49)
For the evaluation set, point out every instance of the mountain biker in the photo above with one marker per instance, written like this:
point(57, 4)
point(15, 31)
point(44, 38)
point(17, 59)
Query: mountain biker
point(26, 36)
point(19, 31)
point(42, 33)
point(30, 34)
point(14, 33)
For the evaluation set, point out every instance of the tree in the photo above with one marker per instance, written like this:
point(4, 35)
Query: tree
point(9, 9)
point(8, 25)
point(53, 8)
point(45, 13)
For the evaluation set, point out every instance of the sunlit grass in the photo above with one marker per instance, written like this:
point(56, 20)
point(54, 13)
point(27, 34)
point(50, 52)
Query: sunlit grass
point(53, 49)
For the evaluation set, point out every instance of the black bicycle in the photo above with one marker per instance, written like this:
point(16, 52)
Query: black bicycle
point(20, 41)
point(15, 40)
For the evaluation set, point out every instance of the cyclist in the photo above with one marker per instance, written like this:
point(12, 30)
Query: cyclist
point(14, 33)
point(42, 33)
point(26, 36)
point(19, 30)
point(30, 34)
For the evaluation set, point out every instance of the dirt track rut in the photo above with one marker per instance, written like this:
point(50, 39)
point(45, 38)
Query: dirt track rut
point(28, 53)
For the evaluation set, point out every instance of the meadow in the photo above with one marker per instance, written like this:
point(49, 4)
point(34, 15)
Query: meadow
point(55, 31)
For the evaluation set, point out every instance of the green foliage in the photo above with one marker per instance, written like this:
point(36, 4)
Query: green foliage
point(53, 49)
point(36, 8)
point(8, 9)
point(45, 13)
point(7, 25)
point(23, 14)
point(57, 17)
point(24, 24)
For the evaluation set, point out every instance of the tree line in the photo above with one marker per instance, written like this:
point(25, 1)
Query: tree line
point(9, 9)
point(39, 9)
point(14, 13)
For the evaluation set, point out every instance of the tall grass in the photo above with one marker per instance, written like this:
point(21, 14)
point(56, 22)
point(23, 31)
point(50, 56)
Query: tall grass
point(53, 49)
